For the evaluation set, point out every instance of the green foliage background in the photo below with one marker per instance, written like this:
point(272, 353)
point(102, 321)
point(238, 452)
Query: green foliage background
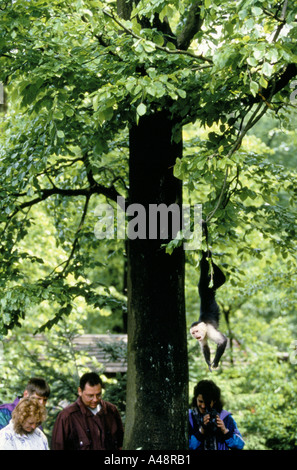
point(258, 374)
point(77, 76)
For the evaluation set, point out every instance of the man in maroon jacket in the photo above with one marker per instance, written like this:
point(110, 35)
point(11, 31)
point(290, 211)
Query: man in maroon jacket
point(90, 423)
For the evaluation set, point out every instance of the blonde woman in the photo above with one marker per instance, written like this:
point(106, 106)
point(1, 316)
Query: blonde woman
point(22, 432)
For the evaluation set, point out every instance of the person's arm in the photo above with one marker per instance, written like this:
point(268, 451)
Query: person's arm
point(60, 433)
point(44, 440)
point(6, 441)
point(120, 430)
point(231, 434)
point(5, 417)
point(235, 441)
point(194, 443)
point(196, 438)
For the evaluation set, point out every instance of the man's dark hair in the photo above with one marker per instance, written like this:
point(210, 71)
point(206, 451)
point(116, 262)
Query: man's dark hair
point(90, 378)
point(209, 391)
point(39, 386)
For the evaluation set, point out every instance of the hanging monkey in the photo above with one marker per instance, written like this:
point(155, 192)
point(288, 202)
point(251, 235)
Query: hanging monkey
point(207, 325)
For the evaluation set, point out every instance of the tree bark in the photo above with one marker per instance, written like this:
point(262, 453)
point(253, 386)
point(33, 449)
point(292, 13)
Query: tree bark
point(3, 99)
point(192, 25)
point(157, 388)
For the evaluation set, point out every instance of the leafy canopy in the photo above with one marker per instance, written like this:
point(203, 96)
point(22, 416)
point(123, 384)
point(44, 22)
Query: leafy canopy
point(79, 74)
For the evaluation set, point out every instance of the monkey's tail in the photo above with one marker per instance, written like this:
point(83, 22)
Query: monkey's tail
point(205, 233)
point(205, 230)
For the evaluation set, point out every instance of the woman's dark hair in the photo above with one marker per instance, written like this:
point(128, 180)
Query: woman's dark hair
point(209, 391)
point(90, 378)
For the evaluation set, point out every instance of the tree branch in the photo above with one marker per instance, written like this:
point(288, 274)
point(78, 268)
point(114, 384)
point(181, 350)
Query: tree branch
point(110, 193)
point(212, 213)
point(192, 26)
point(75, 242)
point(160, 48)
point(124, 9)
point(282, 20)
point(282, 81)
point(90, 176)
point(164, 27)
point(102, 42)
point(256, 116)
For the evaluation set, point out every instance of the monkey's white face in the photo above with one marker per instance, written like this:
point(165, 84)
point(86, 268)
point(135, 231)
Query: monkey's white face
point(199, 331)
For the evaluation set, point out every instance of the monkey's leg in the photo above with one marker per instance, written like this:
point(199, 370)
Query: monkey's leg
point(206, 353)
point(219, 277)
point(221, 346)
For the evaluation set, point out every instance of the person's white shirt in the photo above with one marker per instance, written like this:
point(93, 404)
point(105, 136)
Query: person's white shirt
point(10, 440)
point(95, 410)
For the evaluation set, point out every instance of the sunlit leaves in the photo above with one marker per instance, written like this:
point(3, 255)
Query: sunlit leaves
point(79, 75)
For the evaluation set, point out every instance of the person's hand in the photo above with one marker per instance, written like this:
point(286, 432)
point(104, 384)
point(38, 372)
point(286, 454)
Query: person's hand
point(221, 425)
point(205, 423)
point(206, 419)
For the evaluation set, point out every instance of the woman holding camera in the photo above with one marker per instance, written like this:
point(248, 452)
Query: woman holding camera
point(211, 427)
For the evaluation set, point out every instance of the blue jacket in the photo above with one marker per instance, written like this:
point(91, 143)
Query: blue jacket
point(231, 440)
point(6, 411)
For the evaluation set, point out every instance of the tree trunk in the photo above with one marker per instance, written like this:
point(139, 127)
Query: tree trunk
point(157, 388)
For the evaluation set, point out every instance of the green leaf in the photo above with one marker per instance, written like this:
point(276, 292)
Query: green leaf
point(259, 53)
point(69, 112)
point(158, 39)
point(61, 134)
point(254, 87)
point(149, 46)
point(263, 82)
point(181, 93)
point(170, 46)
point(252, 61)
point(257, 11)
point(96, 102)
point(141, 109)
point(267, 69)
point(58, 115)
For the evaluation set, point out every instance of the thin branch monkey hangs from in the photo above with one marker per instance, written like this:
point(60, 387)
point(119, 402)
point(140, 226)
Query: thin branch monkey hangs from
point(211, 278)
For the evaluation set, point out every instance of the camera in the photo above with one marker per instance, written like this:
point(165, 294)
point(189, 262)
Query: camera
point(211, 426)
